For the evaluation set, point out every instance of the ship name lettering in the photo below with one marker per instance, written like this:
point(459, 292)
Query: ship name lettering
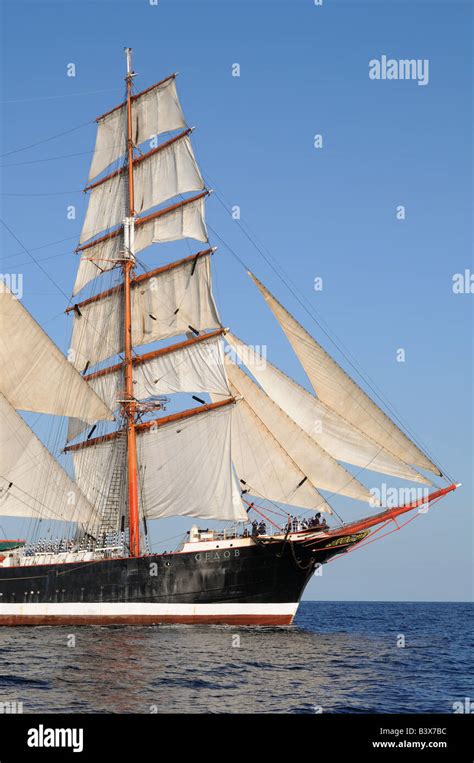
point(216, 555)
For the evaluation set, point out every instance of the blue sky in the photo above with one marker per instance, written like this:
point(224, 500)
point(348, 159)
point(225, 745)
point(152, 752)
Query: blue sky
point(327, 212)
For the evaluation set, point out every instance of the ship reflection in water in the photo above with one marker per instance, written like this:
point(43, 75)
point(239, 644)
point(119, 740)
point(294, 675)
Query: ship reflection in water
point(338, 657)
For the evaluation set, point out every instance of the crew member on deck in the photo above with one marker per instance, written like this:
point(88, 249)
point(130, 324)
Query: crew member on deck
point(254, 528)
point(262, 528)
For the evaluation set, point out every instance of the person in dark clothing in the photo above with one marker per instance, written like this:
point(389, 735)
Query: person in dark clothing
point(320, 523)
point(262, 528)
point(254, 528)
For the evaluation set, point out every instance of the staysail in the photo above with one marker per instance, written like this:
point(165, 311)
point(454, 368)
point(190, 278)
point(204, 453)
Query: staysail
point(339, 392)
point(264, 468)
point(35, 375)
point(334, 434)
point(32, 483)
point(316, 464)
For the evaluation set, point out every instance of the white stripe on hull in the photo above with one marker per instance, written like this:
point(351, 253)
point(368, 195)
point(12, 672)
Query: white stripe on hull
point(141, 613)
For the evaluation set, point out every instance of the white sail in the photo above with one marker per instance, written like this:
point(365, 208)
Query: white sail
point(163, 306)
point(111, 388)
point(187, 221)
point(107, 206)
point(264, 468)
point(35, 375)
point(335, 388)
point(339, 438)
point(197, 367)
point(323, 470)
point(185, 468)
point(97, 331)
point(98, 259)
point(32, 483)
point(154, 111)
point(158, 176)
point(167, 173)
point(110, 142)
point(183, 221)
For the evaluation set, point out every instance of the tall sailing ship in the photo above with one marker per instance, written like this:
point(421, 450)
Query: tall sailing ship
point(254, 451)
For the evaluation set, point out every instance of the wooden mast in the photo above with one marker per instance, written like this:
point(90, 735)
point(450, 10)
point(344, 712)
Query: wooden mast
point(127, 266)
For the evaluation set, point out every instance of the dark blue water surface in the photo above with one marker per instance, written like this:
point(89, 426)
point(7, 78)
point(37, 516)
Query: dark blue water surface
point(338, 657)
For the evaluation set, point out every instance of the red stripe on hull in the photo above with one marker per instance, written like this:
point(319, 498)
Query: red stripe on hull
point(9, 620)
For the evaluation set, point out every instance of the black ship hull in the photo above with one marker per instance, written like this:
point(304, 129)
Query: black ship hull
point(261, 583)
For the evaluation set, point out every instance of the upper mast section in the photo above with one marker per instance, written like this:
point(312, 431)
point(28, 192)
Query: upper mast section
point(128, 79)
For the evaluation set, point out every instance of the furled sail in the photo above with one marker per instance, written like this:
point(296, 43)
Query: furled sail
point(264, 468)
point(340, 439)
point(164, 172)
point(340, 393)
point(323, 470)
point(182, 220)
point(154, 111)
point(35, 375)
point(32, 483)
point(166, 302)
point(196, 365)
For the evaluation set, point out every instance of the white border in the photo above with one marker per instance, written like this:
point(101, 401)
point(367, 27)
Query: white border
point(98, 609)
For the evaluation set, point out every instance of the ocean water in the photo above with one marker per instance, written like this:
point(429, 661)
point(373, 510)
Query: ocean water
point(339, 657)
